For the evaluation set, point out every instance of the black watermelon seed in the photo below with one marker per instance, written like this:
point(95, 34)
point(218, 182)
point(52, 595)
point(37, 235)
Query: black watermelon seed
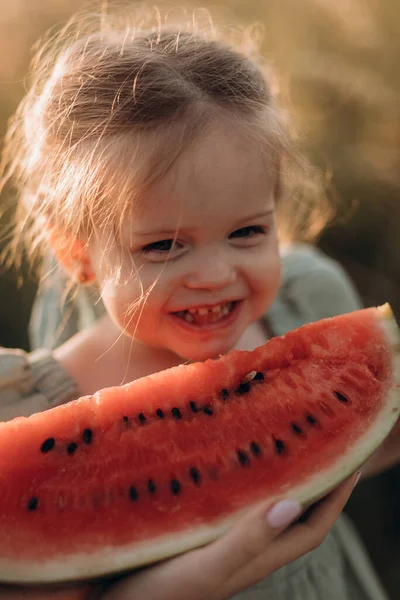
point(312, 420)
point(133, 495)
point(48, 445)
point(33, 503)
point(255, 448)
point(195, 475)
point(175, 486)
point(160, 413)
point(176, 413)
point(142, 418)
point(151, 486)
point(193, 406)
point(280, 446)
point(297, 430)
point(243, 388)
point(243, 458)
point(72, 446)
point(341, 397)
point(208, 410)
point(125, 419)
point(258, 376)
point(224, 394)
point(87, 436)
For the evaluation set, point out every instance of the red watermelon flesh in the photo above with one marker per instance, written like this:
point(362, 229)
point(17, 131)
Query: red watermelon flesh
point(144, 471)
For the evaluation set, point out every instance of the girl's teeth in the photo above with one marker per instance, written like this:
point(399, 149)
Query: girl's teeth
point(204, 315)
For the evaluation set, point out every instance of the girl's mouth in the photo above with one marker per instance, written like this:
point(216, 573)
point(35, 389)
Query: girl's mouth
point(204, 315)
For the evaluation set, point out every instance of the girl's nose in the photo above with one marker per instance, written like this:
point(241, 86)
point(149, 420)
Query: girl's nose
point(210, 270)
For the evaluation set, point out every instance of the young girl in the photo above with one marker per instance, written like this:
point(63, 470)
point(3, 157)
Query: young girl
point(153, 162)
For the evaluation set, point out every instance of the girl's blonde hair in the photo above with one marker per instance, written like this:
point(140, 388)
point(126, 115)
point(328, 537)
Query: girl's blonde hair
point(112, 104)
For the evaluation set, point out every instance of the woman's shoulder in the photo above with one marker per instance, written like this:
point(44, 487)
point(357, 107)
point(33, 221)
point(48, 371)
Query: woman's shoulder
point(32, 382)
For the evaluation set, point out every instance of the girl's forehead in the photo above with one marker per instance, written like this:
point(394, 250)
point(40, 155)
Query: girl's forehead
point(222, 174)
point(223, 156)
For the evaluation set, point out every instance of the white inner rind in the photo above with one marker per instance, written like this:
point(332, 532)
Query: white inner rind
point(111, 559)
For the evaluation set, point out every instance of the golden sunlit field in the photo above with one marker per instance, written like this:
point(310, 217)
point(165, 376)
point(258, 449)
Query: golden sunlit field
point(337, 70)
point(336, 67)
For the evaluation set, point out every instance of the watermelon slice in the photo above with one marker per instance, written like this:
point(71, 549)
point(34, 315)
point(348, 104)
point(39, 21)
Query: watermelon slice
point(144, 471)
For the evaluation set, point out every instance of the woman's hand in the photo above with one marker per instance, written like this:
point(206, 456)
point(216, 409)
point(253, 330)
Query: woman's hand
point(261, 542)
point(62, 592)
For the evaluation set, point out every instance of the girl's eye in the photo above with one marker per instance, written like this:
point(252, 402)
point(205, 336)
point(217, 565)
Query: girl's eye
point(246, 232)
point(160, 247)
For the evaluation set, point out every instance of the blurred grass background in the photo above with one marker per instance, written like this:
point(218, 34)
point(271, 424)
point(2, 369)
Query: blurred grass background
point(338, 66)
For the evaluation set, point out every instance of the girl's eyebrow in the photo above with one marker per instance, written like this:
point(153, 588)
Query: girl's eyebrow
point(155, 232)
point(173, 232)
point(259, 215)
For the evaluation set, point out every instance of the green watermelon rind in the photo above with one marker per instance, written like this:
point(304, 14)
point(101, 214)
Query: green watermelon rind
point(111, 559)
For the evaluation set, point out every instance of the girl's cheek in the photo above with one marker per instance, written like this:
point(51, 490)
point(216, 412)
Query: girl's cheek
point(267, 270)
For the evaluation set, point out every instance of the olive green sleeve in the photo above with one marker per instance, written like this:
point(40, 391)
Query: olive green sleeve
point(313, 287)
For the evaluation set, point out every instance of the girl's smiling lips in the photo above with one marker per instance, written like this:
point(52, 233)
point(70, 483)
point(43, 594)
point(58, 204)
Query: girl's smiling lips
point(208, 316)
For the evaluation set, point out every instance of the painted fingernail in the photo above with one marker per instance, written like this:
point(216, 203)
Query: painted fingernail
point(283, 513)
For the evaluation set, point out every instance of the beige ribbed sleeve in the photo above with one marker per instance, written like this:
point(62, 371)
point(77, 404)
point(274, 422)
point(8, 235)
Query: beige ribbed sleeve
point(31, 383)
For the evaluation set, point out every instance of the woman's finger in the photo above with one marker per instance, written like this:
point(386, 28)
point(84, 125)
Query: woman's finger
point(299, 539)
point(321, 519)
point(250, 537)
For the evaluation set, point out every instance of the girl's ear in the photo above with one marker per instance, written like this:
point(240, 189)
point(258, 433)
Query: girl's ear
point(72, 255)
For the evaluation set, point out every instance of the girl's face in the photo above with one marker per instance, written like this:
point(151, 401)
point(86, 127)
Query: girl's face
point(203, 249)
